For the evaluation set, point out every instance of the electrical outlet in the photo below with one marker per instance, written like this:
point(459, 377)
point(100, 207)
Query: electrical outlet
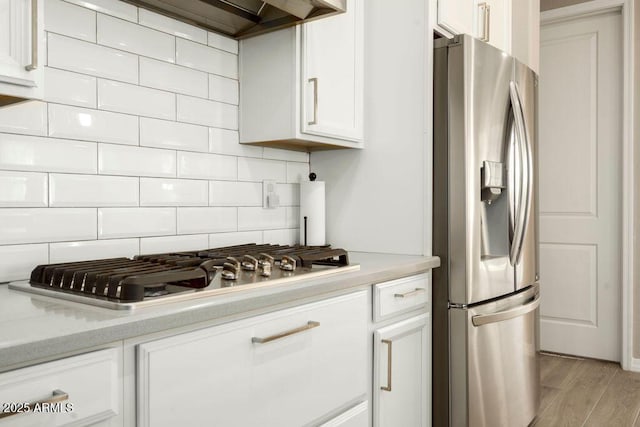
point(270, 197)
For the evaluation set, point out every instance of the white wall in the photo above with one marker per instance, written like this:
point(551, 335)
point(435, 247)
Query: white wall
point(379, 198)
point(135, 147)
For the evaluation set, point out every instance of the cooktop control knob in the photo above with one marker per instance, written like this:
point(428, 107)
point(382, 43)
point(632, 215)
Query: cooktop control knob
point(287, 263)
point(230, 271)
point(264, 264)
point(249, 263)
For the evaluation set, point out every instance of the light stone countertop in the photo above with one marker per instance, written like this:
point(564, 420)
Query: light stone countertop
point(35, 328)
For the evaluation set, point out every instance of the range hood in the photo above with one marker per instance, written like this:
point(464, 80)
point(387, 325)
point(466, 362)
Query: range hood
point(243, 18)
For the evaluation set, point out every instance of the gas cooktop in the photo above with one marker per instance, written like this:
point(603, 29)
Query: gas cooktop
point(124, 283)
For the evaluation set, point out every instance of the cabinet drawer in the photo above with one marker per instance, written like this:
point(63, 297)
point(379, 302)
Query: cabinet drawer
point(286, 368)
point(400, 295)
point(83, 390)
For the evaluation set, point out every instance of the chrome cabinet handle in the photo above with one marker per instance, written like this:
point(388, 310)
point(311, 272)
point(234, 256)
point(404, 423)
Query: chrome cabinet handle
point(483, 319)
point(389, 344)
point(310, 325)
point(34, 37)
point(410, 293)
point(56, 396)
point(314, 80)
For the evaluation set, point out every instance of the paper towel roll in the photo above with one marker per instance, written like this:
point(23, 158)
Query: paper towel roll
point(312, 208)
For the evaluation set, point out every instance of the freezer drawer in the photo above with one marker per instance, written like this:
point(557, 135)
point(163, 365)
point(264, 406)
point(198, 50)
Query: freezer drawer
point(495, 374)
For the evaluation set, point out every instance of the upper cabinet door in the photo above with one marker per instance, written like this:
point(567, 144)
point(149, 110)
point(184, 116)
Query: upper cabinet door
point(21, 49)
point(332, 75)
point(493, 23)
point(525, 43)
point(456, 16)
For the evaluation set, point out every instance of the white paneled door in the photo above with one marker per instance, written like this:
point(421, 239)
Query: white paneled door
point(580, 162)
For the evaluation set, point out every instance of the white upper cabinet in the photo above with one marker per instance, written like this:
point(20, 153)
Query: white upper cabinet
point(332, 75)
point(525, 42)
point(511, 26)
point(493, 23)
point(456, 17)
point(21, 50)
point(302, 87)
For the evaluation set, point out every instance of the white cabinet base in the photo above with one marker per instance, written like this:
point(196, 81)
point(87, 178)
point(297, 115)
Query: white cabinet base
point(402, 380)
point(286, 368)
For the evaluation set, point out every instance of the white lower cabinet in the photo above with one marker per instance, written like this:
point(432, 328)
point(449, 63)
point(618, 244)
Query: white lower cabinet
point(402, 359)
point(402, 353)
point(288, 368)
point(75, 391)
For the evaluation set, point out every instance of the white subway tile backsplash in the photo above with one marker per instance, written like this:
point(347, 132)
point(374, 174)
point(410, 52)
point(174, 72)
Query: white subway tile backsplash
point(136, 161)
point(225, 141)
point(206, 166)
point(135, 147)
point(293, 216)
point(38, 225)
point(219, 240)
point(94, 249)
point(167, 134)
point(88, 58)
point(171, 26)
point(207, 220)
point(154, 245)
point(289, 155)
point(261, 169)
point(29, 118)
point(17, 262)
point(257, 218)
point(92, 190)
point(223, 89)
point(174, 78)
point(23, 189)
point(92, 125)
point(289, 194)
point(173, 192)
point(282, 237)
point(136, 39)
point(132, 99)
point(69, 88)
point(205, 58)
point(70, 20)
point(131, 222)
point(209, 113)
point(31, 153)
point(110, 7)
point(297, 172)
point(233, 193)
point(223, 42)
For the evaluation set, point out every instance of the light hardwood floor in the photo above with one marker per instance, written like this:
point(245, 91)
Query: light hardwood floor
point(583, 392)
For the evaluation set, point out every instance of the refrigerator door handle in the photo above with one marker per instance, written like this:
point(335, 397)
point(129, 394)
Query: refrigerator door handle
point(523, 166)
point(484, 319)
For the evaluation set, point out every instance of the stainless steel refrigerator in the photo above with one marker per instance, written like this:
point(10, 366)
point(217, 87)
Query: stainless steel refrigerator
point(486, 296)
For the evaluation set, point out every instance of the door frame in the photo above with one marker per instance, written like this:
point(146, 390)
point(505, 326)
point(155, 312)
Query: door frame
point(627, 9)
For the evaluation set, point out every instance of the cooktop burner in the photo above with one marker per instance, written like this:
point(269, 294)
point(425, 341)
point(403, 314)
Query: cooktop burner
point(124, 283)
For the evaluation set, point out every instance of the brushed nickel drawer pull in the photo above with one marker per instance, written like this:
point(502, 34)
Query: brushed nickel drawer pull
point(34, 37)
point(314, 80)
point(310, 325)
point(56, 396)
point(410, 293)
point(389, 344)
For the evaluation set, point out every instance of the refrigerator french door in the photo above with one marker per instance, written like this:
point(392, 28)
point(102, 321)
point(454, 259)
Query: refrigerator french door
point(486, 296)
